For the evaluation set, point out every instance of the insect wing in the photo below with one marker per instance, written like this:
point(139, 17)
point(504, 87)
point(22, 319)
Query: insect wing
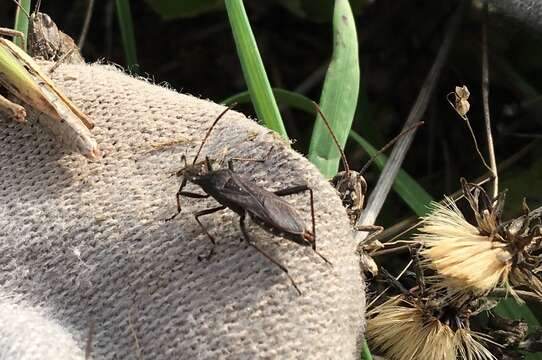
point(264, 205)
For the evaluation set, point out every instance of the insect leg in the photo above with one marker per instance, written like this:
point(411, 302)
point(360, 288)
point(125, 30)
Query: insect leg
point(295, 190)
point(11, 32)
point(393, 281)
point(197, 216)
point(251, 243)
point(180, 193)
point(374, 231)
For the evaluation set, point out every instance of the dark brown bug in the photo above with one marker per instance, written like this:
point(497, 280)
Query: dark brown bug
point(242, 196)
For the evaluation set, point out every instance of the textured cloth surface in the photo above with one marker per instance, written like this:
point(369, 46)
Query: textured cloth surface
point(528, 12)
point(86, 242)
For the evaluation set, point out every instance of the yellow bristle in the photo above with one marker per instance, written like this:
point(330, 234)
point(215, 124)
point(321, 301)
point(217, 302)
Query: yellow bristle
point(402, 331)
point(463, 259)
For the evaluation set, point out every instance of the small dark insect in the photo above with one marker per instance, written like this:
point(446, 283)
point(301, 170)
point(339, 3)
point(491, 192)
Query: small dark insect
point(242, 196)
point(351, 184)
point(352, 187)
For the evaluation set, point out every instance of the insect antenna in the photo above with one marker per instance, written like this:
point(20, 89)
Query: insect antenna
point(37, 7)
point(211, 128)
point(390, 143)
point(19, 6)
point(372, 159)
point(335, 140)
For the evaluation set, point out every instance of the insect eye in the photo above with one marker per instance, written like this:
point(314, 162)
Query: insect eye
point(47, 21)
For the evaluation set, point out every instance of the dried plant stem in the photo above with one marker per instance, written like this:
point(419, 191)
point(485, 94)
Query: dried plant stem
point(525, 295)
point(387, 177)
point(392, 250)
point(389, 286)
point(86, 24)
point(478, 148)
point(485, 99)
point(399, 229)
point(61, 60)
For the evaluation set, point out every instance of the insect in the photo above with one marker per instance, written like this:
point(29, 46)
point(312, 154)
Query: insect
point(47, 42)
point(25, 80)
point(267, 209)
point(351, 184)
point(352, 187)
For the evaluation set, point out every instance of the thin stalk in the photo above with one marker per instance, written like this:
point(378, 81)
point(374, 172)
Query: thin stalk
point(127, 32)
point(21, 22)
point(387, 177)
point(253, 69)
point(365, 352)
point(485, 99)
point(86, 24)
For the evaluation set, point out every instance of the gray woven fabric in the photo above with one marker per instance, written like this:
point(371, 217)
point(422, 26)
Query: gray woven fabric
point(527, 12)
point(85, 242)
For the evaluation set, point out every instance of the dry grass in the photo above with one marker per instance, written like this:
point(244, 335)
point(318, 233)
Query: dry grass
point(464, 260)
point(403, 331)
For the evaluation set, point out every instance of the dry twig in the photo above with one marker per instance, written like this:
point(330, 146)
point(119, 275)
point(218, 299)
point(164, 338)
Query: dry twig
point(387, 177)
point(485, 99)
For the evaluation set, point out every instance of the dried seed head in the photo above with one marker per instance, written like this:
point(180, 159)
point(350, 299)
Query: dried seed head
point(464, 259)
point(460, 100)
point(403, 331)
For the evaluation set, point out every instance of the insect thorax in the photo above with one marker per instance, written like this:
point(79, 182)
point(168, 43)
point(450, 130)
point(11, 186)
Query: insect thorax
point(352, 188)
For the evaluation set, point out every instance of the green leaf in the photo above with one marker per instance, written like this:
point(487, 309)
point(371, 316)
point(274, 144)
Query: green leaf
point(128, 37)
point(253, 70)
point(365, 352)
point(21, 23)
point(405, 186)
point(340, 92)
point(169, 9)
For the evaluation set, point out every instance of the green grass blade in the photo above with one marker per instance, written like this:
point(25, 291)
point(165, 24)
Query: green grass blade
point(405, 186)
point(365, 352)
point(340, 92)
point(290, 98)
point(253, 70)
point(21, 23)
point(128, 36)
